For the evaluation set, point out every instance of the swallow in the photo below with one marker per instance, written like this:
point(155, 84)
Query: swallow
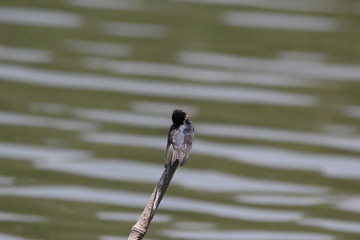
point(181, 137)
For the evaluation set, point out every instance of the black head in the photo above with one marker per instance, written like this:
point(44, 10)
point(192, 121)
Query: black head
point(178, 117)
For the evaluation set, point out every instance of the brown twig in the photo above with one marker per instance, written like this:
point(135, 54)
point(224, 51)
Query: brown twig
point(140, 228)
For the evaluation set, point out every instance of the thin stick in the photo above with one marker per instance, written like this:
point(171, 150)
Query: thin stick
point(139, 230)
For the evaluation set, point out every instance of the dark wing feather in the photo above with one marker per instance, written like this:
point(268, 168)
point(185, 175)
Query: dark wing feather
point(188, 141)
point(169, 142)
point(182, 143)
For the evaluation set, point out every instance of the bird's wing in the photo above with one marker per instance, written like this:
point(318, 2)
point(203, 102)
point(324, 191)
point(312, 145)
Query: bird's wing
point(188, 141)
point(169, 142)
point(176, 138)
point(182, 144)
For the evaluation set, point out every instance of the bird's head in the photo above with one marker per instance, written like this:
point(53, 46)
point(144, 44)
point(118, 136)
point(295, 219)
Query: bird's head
point(179, 116)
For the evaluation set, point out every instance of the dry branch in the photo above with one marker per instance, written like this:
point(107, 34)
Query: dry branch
point(140, 228)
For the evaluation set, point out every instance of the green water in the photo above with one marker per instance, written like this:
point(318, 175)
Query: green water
point(276, 112)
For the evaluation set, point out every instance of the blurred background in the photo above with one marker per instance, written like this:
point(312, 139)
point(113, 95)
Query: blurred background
point(87, 88)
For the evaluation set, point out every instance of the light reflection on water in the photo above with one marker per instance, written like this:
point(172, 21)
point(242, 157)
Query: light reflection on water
point(192, 225)
point(31, 55)
point(20, 74)
point(277, 135)
point(223, 130)
point(98, 48)
point(4, 236)
point(212, 181)
point(121, 117)
point(14, 217)
point(108, 4)
point(279, 21)
point(330, 165)
point(138, 200)
point(247, 235)
point(130, 217)
point(137, 30)
point(6, 180)
point(333, 225)
point(282, 200)
point(351, 204)
point(49, 108)
point(293, 5)
point(18, 119)
point(191, 73)
point(108, 237)
point(162, 108)
point(352, 111)
point(324, 71)
point(40, 154)
point(39, 17)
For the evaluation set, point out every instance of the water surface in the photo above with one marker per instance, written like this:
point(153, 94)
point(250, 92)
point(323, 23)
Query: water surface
point(87, 88)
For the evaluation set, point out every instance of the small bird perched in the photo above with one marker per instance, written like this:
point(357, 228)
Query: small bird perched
point(181, 137)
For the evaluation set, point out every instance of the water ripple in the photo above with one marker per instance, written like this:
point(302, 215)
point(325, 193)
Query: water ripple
point(246, 235)
point(39, 17)
point(280, 21)
point(138, 30)
point(337, 166)
point(131, 217)
point(278, 200)
point(21, 74)
point(21, 54)
point(155, 69)
point(199, 180)
point(108, 4)
point(320, 71)
point(132, 199)
point(4, 236)
point(20, 119)
point(333, 224)
point(98, 48)
point(15, 217)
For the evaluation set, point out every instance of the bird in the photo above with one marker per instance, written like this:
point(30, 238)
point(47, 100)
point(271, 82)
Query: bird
point(181, 136)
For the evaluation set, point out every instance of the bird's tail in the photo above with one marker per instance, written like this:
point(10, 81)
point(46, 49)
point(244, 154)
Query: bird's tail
point(180, 156)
